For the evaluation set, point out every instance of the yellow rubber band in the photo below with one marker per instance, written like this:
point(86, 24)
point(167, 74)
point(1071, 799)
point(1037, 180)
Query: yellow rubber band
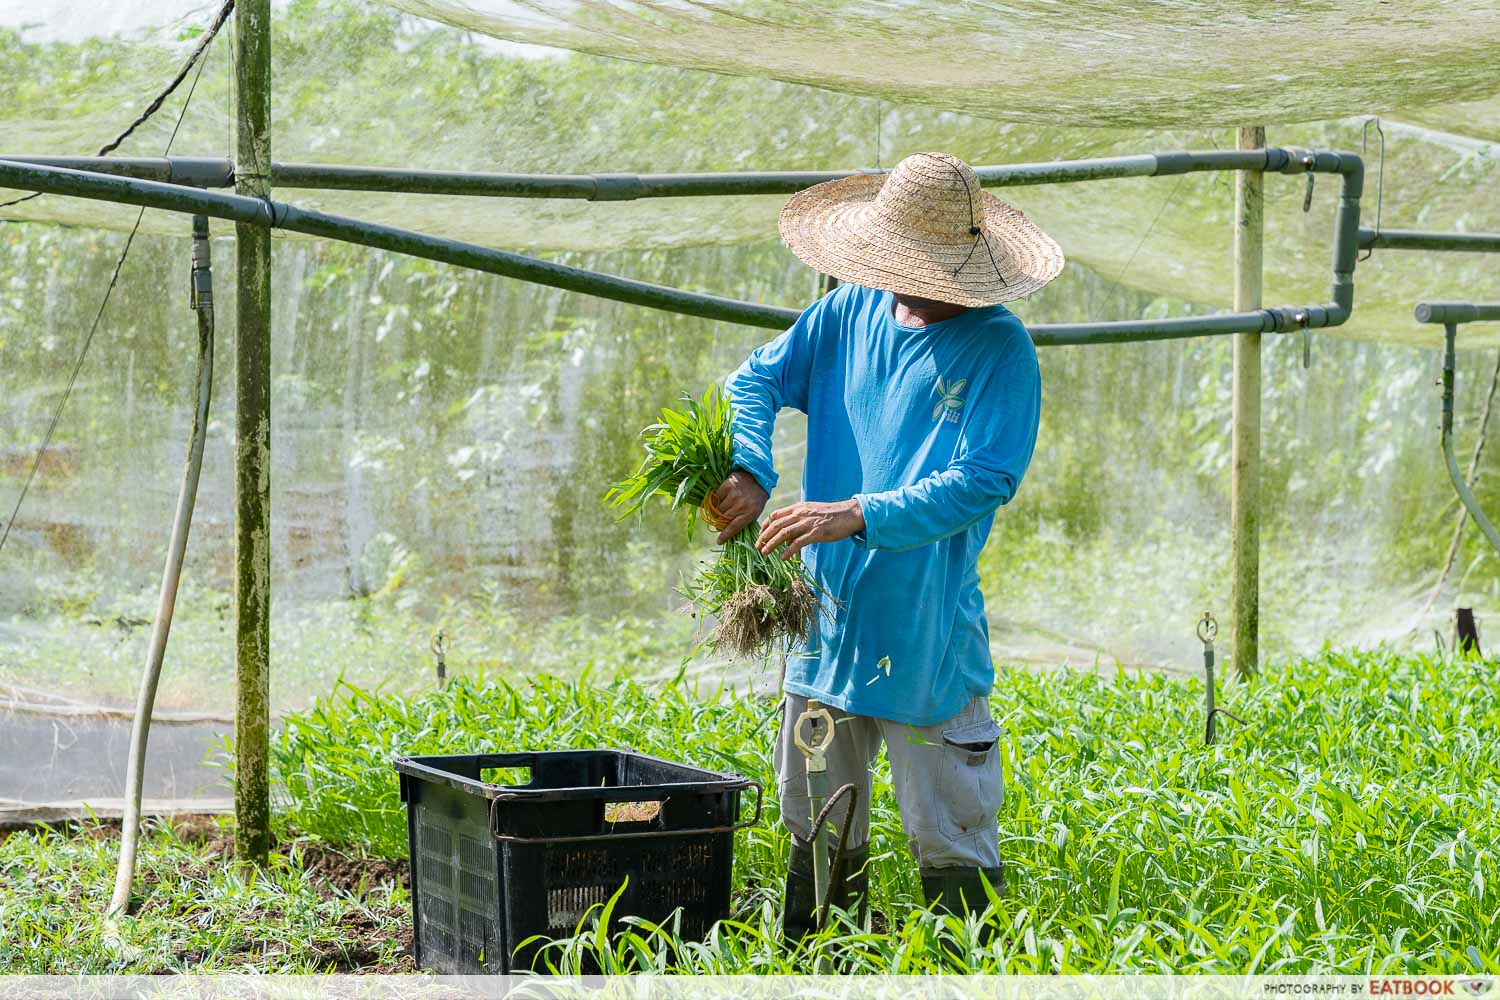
point(712, 515)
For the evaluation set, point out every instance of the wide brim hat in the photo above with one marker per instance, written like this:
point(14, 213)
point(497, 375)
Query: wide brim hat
point(926, 229)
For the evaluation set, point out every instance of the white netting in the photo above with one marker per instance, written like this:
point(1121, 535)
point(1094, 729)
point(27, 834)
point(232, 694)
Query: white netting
point(358, 85)
point(442, 439)
point(1114, 64)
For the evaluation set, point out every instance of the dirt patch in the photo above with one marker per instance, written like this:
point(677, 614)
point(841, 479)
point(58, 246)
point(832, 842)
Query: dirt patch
point(358, 955)
point(331, 868)
point(355, 876)
point(192, 828)
point(361, 935)
point(196, 829)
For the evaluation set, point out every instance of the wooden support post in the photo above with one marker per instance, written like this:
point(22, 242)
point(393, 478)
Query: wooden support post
point(1249, 235)
point(252, 450)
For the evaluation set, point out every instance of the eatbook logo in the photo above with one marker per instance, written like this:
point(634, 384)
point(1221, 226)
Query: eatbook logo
point(950, 400)
point(1475, 987)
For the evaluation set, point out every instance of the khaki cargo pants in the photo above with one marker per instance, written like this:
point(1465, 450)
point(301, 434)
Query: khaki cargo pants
point(947, 779)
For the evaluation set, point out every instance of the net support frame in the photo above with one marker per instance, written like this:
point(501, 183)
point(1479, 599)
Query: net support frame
point(128, 187)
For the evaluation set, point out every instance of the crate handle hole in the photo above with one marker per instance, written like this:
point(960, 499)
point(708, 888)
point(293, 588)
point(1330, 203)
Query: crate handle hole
point(632, 812)
point(509, 776)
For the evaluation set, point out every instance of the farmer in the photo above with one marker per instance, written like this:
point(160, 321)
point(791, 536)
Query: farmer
point(922, 397)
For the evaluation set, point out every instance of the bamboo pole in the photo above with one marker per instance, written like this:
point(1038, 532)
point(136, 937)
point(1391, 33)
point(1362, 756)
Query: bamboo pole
point(1249, 233)
point(252, 451)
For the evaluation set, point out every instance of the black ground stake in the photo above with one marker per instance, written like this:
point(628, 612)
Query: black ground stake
point(1466, 633)
point(1207, 630)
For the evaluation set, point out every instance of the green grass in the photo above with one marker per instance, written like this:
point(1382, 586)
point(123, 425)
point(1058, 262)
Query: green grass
point(1349, 827)
point(196, 911)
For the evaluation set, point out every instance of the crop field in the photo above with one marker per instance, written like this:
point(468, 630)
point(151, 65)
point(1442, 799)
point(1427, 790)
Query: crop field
point(1348, 827)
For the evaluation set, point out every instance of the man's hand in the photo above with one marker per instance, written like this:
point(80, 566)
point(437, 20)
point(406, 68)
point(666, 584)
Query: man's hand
point(741, 499)
point(806, 522)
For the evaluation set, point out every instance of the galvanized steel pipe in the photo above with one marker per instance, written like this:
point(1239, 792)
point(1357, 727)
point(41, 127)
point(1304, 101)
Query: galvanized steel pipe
point(1457, 312)
point(1412, 239)
point(98, 185)
point(1466, 495)
point(211, 172)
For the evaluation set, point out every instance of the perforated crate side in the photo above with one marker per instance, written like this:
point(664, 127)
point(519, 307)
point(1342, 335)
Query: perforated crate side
point(553, 886)
point(456, 883)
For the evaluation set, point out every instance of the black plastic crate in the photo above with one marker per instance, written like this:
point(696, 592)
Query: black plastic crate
point(494, 863)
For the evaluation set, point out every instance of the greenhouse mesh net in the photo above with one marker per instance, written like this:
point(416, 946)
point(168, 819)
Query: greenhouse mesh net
point(442, 439)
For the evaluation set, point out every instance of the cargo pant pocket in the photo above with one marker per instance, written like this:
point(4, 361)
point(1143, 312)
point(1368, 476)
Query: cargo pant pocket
point(970, 780)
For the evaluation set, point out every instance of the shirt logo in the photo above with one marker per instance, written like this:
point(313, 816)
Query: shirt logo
point(950, 400)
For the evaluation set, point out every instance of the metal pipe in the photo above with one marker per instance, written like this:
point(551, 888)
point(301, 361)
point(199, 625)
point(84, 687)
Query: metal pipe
point(1412, 239)
point(193, 171)
point(1450, 336)
point(278, 215)
point(212, 172)
point(264, 212)
point(1457, 312)
point(171, 574)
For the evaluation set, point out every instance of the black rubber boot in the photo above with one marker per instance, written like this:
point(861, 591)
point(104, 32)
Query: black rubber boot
point(961, 890)
point(799, 913)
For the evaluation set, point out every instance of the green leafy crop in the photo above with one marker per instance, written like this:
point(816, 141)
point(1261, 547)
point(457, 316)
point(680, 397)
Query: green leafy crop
point(759, 599)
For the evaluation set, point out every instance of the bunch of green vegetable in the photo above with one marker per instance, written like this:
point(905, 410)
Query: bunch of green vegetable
point(758, 600)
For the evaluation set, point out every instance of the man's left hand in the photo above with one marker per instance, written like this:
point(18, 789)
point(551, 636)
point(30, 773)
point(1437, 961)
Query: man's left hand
point(807, 522)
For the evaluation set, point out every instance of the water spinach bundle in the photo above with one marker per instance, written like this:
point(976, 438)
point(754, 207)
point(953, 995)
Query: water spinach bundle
point(759, 601)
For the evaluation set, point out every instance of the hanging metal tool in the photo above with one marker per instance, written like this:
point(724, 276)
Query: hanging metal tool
point(201, 297)
point(1208, 629)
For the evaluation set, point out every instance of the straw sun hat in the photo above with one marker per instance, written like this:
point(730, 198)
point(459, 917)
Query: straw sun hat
point(926, 229)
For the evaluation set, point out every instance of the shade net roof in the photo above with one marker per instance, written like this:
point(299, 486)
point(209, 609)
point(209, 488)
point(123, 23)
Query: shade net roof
point(442, 438)
point(1127, 64)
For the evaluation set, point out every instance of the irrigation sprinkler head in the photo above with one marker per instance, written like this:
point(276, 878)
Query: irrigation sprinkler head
point(819, 723)
point(1208, 629)
point(439, 648)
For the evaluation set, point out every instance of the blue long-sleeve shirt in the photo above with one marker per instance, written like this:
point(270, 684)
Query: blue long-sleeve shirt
point(930, 429)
